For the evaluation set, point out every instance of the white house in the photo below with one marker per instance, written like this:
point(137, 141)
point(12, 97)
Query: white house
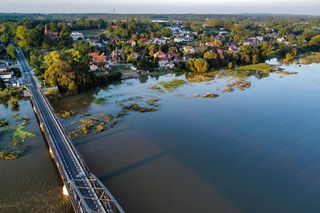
point(76, 35)
point(6, 76)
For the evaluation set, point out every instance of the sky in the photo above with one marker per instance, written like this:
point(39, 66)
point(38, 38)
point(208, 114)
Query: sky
point(308, 7)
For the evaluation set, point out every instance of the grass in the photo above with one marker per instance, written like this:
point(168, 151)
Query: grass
point(121, 68)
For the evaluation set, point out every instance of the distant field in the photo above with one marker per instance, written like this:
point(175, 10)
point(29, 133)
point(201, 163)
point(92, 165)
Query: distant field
point(92, 33)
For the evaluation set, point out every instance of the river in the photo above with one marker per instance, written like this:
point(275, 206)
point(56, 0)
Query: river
point(30, 183)
point(255, 150)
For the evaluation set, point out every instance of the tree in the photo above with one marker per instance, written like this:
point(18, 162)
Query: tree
point(5, 38)
point(68, 70)
point(315, 41)
point(197, 65)
point(288, 58)
point(11, 51)
point(2, 84)
point(21, 36)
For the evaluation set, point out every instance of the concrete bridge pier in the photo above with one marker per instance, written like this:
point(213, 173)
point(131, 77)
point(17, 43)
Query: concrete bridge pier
point(65, 191)
point(51, 153)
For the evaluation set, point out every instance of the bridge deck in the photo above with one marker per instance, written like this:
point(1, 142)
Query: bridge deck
point(86, 192)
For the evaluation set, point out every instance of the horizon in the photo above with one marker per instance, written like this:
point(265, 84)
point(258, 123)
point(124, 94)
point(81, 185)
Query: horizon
point(286, 7)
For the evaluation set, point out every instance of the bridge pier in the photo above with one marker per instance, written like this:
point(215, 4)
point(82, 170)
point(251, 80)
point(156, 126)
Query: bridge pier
point(65, 191)
point(51, 153)
point(41, 127)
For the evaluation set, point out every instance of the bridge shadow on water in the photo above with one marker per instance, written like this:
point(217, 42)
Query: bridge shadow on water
point(133, 166)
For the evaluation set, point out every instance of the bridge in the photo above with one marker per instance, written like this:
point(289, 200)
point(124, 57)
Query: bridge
point(86, 192)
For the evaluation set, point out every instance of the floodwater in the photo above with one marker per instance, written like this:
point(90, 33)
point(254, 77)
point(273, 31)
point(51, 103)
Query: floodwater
point(31, 182)
point(255, 150)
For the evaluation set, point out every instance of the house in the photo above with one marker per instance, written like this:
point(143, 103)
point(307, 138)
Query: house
point(160, 55)
point(143, 40)
point(233, 48)
point(172, 54)
point(281, 40)
point(98, 61)
point(6, 76)
point(159, 41)
point(96, 58)
point(272, 35)
point(76, 35)
point(220, 51)
point(94, 42)
point(52, 35)
point(210, 44)
point(178, 40)
point(165, 64)
point(188, 38)
point(135, 55)
point(3, 68)
point(188, 49)
point(253, 40)
point(131, 42)
point(223, 33)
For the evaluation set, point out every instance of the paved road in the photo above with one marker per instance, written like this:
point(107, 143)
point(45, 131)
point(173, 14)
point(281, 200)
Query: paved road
point(74, 171)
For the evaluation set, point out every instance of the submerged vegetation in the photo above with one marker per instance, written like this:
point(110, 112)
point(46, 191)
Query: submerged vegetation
point(241, 84)
point(100, 101)
point(93, 124)
point(312, 58)
point(172, 85)
point(15, 131)
point(264, 68)
point(207, 95)
point(66, 114)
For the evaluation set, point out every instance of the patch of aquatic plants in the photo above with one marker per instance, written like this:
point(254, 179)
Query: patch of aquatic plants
point(172, 85)
point(309, 59)
point(66, 114)
point(93, 124)
point(137, 108)
point(15, 131)
point(264, 68)
point(285, 72)
point(100, 101)
point(156, 88)
point(153, 101)
point(241, 84)
point(207, 95)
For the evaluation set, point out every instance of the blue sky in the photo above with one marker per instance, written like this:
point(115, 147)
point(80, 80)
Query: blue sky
point(163, 6)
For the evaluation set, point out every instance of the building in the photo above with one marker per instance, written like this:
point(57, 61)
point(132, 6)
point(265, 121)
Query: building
point(76, 36)
point(6, 76)
point(52, 35)
point(188, 50)
point(98, 61)
point(210, 44)
point(131, 42)
point(160, 55)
